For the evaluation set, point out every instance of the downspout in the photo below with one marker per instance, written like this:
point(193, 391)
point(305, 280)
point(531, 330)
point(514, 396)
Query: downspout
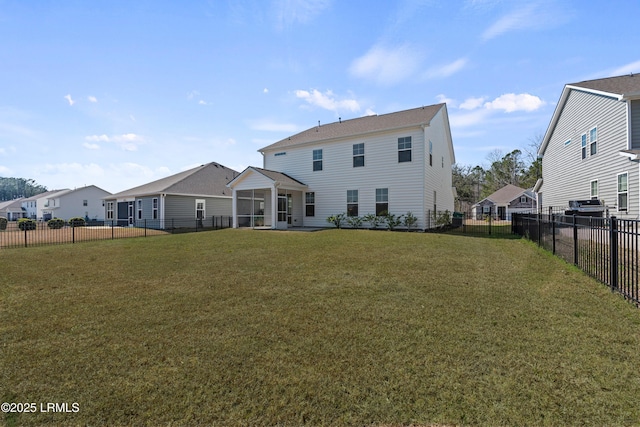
point(424, 177)
point(274, 205)
point(162, 206)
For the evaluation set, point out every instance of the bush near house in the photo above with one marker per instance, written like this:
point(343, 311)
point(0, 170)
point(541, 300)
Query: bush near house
point(336, 219)
point(3, 223)
point(55, 223)
point(77, 222)
point(26, 224)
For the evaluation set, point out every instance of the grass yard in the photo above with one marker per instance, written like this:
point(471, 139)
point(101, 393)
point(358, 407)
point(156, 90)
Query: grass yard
point(338, 327)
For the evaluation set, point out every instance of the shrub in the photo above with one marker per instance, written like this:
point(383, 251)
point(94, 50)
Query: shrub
point(55, 223)
point(26, 224)
point(3, 223)
point(393, 220)
point(77, 221)
point(410, 220)
point(354, 221)
point(373, 220)
point(336, 219)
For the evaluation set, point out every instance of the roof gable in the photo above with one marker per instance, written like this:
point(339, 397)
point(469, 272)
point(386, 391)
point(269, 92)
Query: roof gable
point(621, 88)
point(505, 195)
point(269, 175)
point(362, 125)
point(209, 179)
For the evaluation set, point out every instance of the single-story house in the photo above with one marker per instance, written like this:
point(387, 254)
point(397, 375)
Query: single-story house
point(199, 193)
point(504, 202)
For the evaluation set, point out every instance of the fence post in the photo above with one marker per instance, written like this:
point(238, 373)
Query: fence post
point(73, 232)
point(613, 255)
point(553, 232)
point(145, 227)
point(539, 225)
point(490, 215)
point(25, 234)
point(575, 241)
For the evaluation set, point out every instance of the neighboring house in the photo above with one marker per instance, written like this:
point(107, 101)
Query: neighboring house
point(12, 209)
point(34, 205)
point(396, 163)
point(85, 202)
point(198, 193)
point(592, 146)
point(504, 202)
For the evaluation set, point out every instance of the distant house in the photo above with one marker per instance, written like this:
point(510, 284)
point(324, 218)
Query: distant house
point(198, 193)
point(504, 202)
point(12, 209)
point(591, 149)
point(34, 206)
point(396, 163)
point(85, 202)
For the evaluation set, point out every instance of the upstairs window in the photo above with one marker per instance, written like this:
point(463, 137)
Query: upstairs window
point(358, 155)
point(139, 209)
point(593, 141)
point(317, 160)
point(85, 203)
point(404, 149)
point(583, 140)
point(352, 202)
point(430, 153)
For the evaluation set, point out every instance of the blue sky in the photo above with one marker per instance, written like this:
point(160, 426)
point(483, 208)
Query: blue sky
point(120, 93)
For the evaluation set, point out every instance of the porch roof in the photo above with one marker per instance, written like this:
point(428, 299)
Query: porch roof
point(276, 178)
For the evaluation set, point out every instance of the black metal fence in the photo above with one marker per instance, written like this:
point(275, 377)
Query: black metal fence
point(40, 233)
point(467, 223)
point(605, 248)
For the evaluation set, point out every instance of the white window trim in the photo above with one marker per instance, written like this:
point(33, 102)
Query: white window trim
point(591, 195)
point(591, 142)
point(618, 192)
point(204, 208)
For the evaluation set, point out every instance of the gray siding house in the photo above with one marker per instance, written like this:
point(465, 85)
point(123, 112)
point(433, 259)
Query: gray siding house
point(397, 163)
point(501, 204)
point(591, 149)
point(196, 194)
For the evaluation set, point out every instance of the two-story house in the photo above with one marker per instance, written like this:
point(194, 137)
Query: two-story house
point(34, 206)
point(591, 148)
point(84, 202)
point(390, 163)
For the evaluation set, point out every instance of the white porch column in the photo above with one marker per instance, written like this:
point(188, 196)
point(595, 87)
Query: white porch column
point(234, 208)
point(274, 207)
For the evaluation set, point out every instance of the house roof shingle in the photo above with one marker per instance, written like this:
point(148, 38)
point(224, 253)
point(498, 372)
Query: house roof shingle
point(209, 179)
point(362, 125)
point(627, 85)
point(505, 195)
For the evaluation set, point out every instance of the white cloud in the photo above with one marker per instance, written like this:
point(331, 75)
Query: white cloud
point(69, 99)
point(472, 103)
point(90, 146)
point(265, 90)
point(97, 138)
point(468, 119)
point(202, 102)
point(633, 67)
point(5, 171)
point(444, 99)
point(447, 69)
point(387, 66)
point(532, 15)
point(92, 99)
point(327, 100)
point(370, 112)
point(511, 102)
point(127, 141)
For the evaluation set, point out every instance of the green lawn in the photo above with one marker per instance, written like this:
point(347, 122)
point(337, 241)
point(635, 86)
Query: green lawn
point(338, 327)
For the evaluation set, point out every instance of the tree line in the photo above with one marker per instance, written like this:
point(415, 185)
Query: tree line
point(15, 188)
point(474, 183)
